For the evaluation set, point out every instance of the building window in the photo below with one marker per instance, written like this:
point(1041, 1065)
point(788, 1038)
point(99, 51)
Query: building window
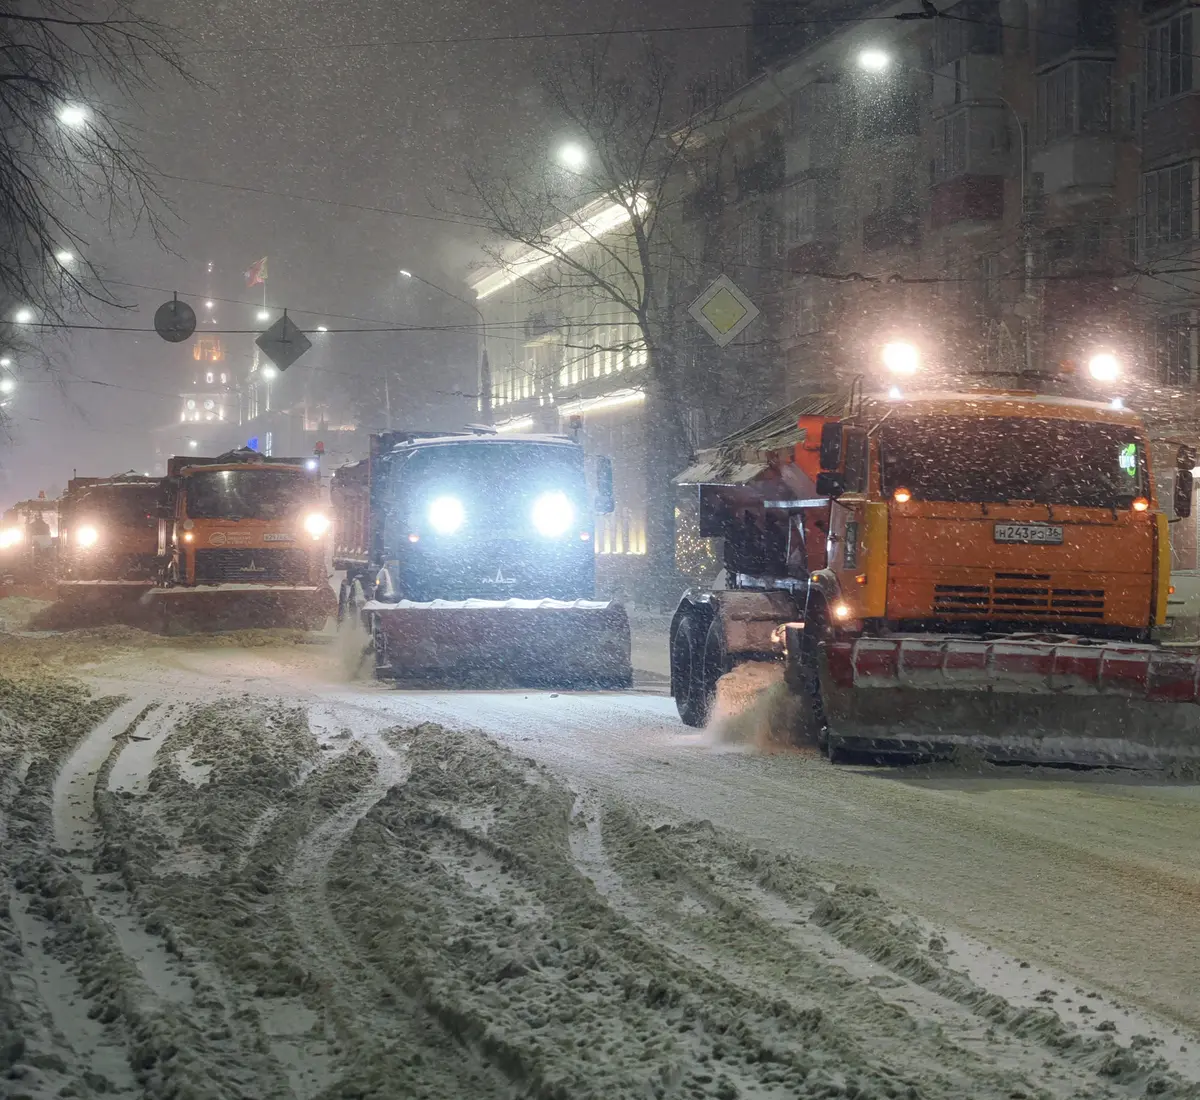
point(208, 377)
point(1169, 54)
point(1168, 206)
point(972, 26)
point(224, 379)
point(799, 212)
point(950, 155)
point(1075, 98)
point(1173, 348)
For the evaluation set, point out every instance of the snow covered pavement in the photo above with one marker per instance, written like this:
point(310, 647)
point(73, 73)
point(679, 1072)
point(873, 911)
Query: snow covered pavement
point(229, 873)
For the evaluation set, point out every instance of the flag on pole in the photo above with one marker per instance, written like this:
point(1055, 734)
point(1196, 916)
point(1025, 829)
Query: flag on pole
point(257, 273)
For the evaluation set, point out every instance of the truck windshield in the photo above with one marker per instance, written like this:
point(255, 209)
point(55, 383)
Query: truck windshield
point(127, 505)
point(261, 493)
point(496, 481)
point(995, 459)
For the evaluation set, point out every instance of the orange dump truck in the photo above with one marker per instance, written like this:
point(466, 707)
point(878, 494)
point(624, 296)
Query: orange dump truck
point(243, 542)
point(941, 572)
point(108, 540)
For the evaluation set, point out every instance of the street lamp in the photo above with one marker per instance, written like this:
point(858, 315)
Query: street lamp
point(322, 328)
point(264, 314)
point(7, 385)
point(485, 372)
point(268, 372)
point(65, 256)
point(873, 61)
point(1104, 367)
point(901, 358)
point(5, 362)
point(193, 444)
point(23, 316)
point(73, 115)
point(573, 156)
point(209, 305)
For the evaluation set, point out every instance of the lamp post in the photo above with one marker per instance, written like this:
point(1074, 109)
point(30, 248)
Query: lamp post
point(877, 62)
point(484, 379)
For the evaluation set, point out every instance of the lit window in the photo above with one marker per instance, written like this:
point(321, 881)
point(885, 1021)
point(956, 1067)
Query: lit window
point(191, 404)
point(224, 379)
point(210, 404)
point(208, 377)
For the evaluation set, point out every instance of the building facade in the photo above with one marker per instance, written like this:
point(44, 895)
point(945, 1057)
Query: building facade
point(567, 358)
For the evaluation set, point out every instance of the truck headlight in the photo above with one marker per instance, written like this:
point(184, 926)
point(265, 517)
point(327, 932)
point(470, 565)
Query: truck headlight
point(553, 513)
point(447, 515)
point(87, 536)
point(316, 524)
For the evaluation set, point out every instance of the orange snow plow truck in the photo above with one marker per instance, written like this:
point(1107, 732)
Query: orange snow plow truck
point(108, 538)
point(243, 543)
point(947, 573)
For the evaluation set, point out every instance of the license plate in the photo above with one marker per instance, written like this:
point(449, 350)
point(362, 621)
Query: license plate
point(1045, 533)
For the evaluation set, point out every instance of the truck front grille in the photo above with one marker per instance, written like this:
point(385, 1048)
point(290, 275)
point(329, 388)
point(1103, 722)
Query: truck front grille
point(252, 566)
point(1018, 596)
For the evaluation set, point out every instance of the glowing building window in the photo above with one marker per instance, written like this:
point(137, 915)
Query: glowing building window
point(207, 349)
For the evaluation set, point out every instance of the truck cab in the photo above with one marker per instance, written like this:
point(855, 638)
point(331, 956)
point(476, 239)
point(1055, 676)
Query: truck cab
point(109, 533)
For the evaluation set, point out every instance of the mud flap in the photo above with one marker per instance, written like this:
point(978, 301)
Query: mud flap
point(1035, 700)
point(580, 643)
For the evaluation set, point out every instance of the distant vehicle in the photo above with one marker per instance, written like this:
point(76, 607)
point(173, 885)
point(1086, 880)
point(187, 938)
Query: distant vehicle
point(243, 541)
point(979, 571)
point(28, 544)
point(471, 553)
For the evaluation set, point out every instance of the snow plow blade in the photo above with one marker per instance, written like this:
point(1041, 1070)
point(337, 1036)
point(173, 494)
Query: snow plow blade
point(560, 643)
point(241, 607)
point(1033, 700)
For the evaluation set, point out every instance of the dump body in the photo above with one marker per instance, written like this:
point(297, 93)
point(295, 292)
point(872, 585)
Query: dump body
point(108, 543)
point(929, 533)
point(476, 554)
point(245, 536)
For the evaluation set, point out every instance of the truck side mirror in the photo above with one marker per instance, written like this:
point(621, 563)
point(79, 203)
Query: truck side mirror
point(606, 501)
point(1185, 482)
point(830, 484)
point(831, 446)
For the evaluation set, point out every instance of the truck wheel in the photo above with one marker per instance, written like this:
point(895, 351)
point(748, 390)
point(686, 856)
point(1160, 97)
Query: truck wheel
point(693, 700)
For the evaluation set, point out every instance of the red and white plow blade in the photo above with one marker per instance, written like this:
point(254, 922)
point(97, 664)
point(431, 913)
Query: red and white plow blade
point(1035, 699)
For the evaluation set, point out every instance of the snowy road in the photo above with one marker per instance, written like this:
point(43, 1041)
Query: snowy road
point(321, 888)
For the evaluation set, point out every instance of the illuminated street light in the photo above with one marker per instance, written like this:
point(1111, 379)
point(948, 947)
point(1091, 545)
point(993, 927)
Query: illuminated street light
point(65, 256)
point(7, 385)
point(322, 328)
point(193, 444)
point(264, 314)
point(5, 362)
point(269, 372)
point(1104, 367)
point(901, 358)
point(209, 305)
point(23, 316)
point(73, 116)
point(573, 156)
point(873, 61)
point(406, 274)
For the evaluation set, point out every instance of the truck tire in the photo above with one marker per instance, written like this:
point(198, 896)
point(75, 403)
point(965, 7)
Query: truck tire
point(693, 699)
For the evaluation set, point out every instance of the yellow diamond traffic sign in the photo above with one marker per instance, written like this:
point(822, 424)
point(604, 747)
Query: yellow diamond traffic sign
point(722, 310)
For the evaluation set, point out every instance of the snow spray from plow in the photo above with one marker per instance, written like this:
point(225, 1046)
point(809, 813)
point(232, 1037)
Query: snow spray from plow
point(1037, 699)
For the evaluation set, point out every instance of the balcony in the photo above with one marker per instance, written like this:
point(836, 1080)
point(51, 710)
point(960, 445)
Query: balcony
point(893, 227)
point(967, 203)
point(972, 78)
point(1170, 130)
point(1075, 25)
point(1077, 169)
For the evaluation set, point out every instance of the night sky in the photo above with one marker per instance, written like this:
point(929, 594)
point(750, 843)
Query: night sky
point(382, 126)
